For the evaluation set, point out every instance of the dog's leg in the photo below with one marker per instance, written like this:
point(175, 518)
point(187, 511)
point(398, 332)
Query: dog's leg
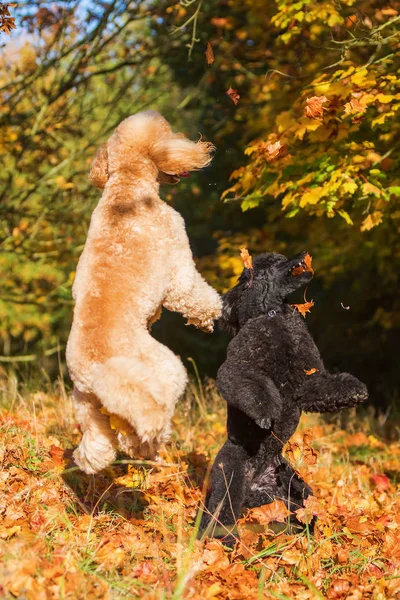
point(323, 392)
point(260, 401)
point(188, 293)
point(229, 483)
point(142, 387)
point(275, 479)
point(97, 448)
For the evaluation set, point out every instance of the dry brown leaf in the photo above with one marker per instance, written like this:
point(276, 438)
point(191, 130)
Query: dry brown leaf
point(303, 308)
point(314, 108)
point(233, 95)
point(209, 54)
point(272, 150)
point(246, 258)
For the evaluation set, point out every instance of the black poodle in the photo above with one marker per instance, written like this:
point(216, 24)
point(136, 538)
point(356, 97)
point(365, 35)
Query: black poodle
point(265, 385)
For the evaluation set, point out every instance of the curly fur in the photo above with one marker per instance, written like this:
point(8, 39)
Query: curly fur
point(264, 383)
point(136, 259)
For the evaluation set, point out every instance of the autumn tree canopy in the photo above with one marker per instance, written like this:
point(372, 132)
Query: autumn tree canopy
point(301, 100)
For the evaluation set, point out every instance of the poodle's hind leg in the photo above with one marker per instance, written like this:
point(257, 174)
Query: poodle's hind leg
point(97, 448)
point(142, 388)
point(229, 480)
point(277, 480)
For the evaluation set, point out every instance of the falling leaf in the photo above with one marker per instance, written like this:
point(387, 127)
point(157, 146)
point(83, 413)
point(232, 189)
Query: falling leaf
point(308, 261)
point(303, 308)
point(209, 54)
point(233, 95)
point(314, 108)
point(380, 481)
point(304, 267)
point(219, 21)
point(246, 258)
point(311, 371)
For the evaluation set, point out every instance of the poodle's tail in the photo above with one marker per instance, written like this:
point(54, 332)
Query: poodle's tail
point(144, 394)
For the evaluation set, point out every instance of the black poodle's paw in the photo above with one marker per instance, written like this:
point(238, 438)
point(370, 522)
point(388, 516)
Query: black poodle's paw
point(352, 391)
point(264, 422)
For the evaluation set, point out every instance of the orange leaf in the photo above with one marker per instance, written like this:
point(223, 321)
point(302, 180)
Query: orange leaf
point(354, 106)
point(57, 455)
point(275, 511)
point(246, 258)
point(303, 308)
point(209, 54)
point(311, 371)
point(303, 267)
point(380, 481)
point(314, 108)
point(233, 95)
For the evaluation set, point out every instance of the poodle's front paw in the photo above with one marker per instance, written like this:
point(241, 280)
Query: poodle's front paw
point(353, 391)
point(206, 325)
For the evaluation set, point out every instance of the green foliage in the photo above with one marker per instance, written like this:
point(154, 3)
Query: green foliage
point(310, 151)
point(72, 76)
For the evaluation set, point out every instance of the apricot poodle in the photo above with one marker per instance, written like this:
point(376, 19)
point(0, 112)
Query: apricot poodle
point(136, 259)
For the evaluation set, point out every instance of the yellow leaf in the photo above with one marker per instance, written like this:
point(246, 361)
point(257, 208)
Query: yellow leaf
point(311, 197)
point(349, 187)
point(117, 423)
point(359, 77)
point(371, 221)
point(213, 591)
point(8, 532)
point(345, 215)
point(369, 188)
point(384, 98)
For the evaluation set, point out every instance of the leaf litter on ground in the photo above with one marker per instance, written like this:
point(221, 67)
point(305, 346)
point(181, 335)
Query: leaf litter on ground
point(129, 532)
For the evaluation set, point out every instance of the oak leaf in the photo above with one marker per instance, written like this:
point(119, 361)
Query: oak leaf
point(311, 371)
point(233, 95)
point(246, 258)
point(303, 308)
point(371, 221)
point(209, 54)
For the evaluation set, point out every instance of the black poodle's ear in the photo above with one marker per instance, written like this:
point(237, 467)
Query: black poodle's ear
point(229, 320)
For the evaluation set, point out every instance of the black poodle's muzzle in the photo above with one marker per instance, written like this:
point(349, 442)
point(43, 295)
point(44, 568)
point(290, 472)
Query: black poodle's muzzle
point(300, 266)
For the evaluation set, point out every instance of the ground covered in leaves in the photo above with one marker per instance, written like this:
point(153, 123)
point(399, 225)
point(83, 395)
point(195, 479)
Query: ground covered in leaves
point(130, 531)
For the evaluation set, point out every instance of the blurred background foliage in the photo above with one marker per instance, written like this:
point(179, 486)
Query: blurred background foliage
point(307, 158)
